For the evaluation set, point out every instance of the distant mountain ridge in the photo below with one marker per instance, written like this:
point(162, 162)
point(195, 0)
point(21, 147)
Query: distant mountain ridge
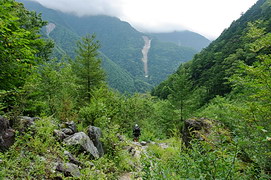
point(184, 38)
point(211, 68)
point(121, 48)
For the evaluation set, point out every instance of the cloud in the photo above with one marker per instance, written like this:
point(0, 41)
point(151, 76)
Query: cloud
point(85, 7)
point(208, 17)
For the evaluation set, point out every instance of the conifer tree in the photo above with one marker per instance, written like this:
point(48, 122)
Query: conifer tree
point(87, 67)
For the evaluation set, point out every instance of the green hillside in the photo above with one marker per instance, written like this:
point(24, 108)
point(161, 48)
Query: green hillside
point(120, 42)
point(211, 67)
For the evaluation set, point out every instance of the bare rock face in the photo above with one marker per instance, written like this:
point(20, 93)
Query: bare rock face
point(84, 141)
point(204, 129)
point(195, 128)
point(69, 169)
point(7, 134)
point(24, 123)
point(95, 134)
point(4, 124)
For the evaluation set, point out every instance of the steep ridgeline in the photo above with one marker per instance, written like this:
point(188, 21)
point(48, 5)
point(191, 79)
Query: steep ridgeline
point(210, 68)
point(121, 47)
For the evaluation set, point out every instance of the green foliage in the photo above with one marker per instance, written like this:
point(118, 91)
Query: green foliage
point(29, 157)
point(21, 47)
point(255, 82)
point(199, 162)
point(87, 67)
point(51, 90)
point(212, 66)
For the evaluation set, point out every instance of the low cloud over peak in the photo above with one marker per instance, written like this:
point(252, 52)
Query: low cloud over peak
point(209, 17)
point(85, 7)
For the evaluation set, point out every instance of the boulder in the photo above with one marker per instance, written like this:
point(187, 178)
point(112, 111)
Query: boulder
point(143, 143)
point(72, 159)
point(84, 141)
point(95, 134)
point(60, 135)
point(71, 125)
point(67, 131)
point(4, 124)
point(204, 129)
point(194, 128)
point(7, 134)
point(69, 169)
point(23, 123)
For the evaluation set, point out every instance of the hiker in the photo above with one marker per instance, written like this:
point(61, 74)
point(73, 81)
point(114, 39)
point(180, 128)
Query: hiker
point(136, 133)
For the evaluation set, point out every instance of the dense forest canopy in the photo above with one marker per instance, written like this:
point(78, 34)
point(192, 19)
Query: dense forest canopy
point(209, 120)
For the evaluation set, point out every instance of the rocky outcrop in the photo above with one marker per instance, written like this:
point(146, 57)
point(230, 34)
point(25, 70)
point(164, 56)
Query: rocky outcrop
point(195, 128)
point(204, 129)
point(71, 125)
point(25, 123)
point(68, 169)
point(95, 134)
point(72, 159)
point(7, 134)
point(90, 143)
point(84, 141)
point(60, 135)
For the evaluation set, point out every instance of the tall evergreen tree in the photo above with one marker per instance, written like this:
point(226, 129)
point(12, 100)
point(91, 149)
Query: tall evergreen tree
point(87, 67)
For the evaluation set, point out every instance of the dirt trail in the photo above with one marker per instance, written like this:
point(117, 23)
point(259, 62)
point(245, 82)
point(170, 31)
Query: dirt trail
point(145, 51)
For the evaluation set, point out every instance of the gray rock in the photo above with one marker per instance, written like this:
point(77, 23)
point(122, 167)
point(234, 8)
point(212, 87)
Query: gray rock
point(120, 137)
point(69, 169)
point(7, 135)
point(95, 134)
point(25, 123)
point(4, 124)
point(60, 135)
point(163, 145)
point(28, 121)
point(68, 131)
point(71, 125)
point(84, 141)
point(143, 143)
point(72, 159)
point(193, 128)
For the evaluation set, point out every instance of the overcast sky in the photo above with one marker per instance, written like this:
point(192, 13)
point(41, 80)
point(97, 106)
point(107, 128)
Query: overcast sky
point(207, 17)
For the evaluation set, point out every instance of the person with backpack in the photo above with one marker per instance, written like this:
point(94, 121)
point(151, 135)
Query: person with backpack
point(136, 133)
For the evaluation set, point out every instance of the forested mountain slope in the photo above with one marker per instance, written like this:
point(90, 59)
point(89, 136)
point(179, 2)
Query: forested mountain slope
point(230, 81)
point(211, 67)
point(120, 43)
